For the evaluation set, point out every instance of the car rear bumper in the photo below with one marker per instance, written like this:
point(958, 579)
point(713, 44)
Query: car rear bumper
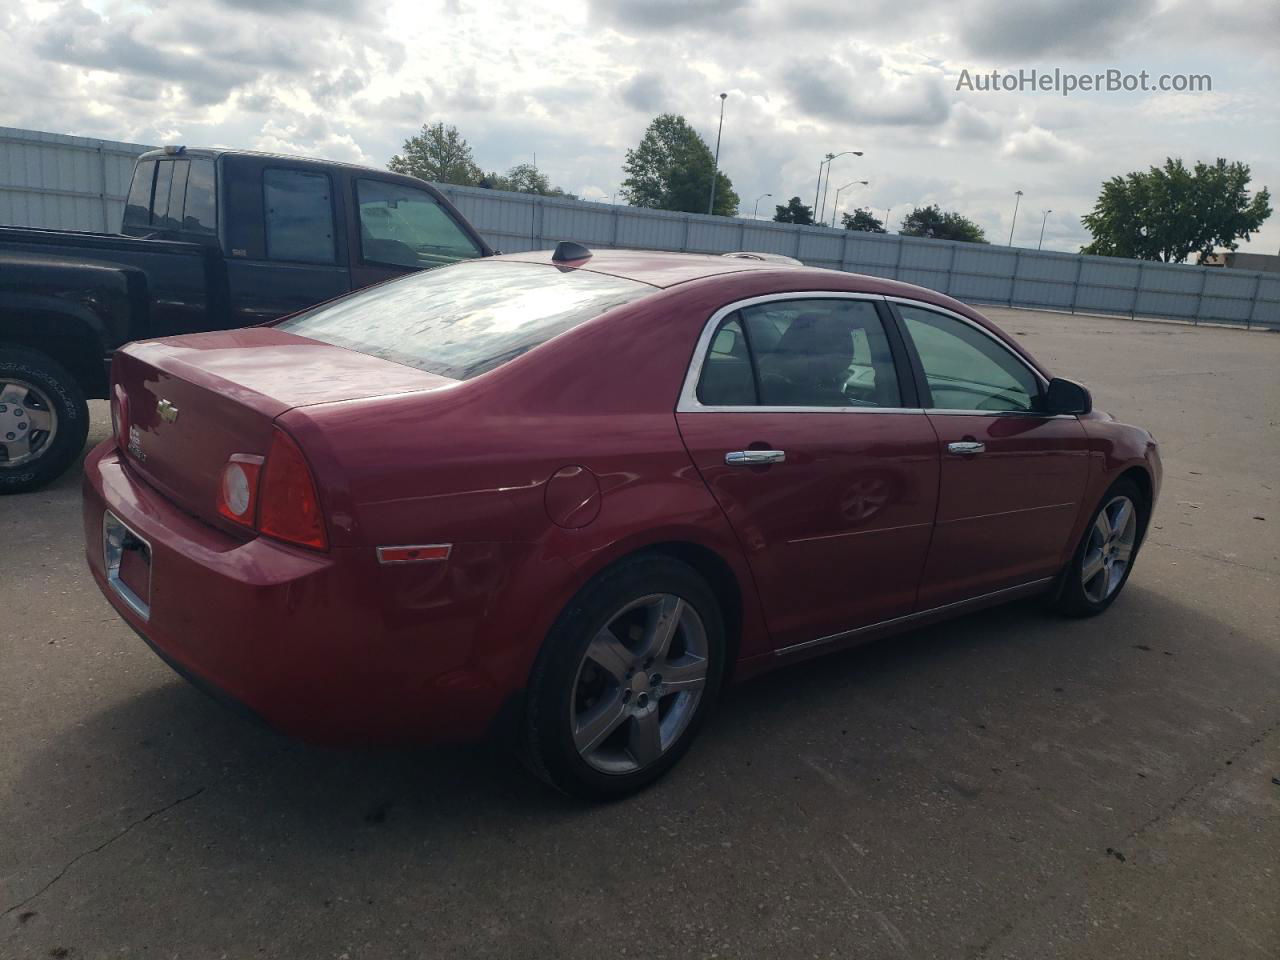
point(331, 647)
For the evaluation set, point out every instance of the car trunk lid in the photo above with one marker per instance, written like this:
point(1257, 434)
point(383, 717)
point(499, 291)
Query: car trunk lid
point(194, 401)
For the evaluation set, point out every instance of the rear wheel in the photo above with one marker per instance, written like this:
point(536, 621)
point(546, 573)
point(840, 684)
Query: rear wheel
point(1104, 559)
point(44, 420)
point(627, 676)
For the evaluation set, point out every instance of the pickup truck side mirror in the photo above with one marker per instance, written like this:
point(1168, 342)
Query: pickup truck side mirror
point(1067, 397)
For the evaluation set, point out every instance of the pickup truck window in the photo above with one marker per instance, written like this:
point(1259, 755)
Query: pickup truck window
point(299, 216)
point(137, 208)
point(160, 203)
point(200, 215)
point(406, 227)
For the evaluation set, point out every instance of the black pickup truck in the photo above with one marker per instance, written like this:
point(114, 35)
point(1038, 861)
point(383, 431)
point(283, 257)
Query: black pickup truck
point(211, 239)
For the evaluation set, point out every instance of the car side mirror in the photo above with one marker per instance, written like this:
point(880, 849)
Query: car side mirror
point(1067, 397)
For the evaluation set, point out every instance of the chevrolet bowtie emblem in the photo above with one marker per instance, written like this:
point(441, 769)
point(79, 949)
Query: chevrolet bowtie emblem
point(168, 412)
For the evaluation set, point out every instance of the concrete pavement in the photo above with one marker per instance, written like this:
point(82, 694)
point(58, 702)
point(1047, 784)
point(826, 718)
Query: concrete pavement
point(1007, 785)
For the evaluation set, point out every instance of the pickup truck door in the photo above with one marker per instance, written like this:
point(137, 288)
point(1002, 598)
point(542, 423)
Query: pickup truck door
point(285, 247)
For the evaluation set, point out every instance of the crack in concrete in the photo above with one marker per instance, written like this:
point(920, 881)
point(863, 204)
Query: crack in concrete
point(102, 846)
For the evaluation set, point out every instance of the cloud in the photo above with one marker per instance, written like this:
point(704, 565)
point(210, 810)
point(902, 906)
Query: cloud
point(970, 124)
point(646, 91)
point(1040, 146)
point(669, 15)
point(1035, 27)
point(830, 90)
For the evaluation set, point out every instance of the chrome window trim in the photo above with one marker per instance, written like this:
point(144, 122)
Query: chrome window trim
point(689, 403)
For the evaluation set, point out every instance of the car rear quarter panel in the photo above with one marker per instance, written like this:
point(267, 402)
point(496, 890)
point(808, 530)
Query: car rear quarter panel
point(470, 466)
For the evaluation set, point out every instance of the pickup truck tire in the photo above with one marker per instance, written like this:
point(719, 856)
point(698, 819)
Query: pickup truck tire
point(43, 410)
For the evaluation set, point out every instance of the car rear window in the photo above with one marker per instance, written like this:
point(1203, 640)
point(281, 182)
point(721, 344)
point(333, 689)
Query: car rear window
point(463, 320)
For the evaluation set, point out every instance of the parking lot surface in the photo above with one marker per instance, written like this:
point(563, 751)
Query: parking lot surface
point(1006, 785)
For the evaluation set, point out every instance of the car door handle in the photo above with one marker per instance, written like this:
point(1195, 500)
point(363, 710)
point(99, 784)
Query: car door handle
point(966, 447)
point(752, 458)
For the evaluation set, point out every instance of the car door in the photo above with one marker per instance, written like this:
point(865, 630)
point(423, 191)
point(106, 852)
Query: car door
point(800, 414)
point(1012, 477)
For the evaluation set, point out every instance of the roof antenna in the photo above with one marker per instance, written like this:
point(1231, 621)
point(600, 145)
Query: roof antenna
point(570, 250)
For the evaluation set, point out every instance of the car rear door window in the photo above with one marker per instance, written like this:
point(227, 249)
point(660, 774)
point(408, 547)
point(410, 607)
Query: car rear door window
point(967, 369)
point(820, 352)
point(299, 215)
point(404, 226)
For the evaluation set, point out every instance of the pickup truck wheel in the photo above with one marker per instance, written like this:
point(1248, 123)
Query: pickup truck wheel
point(44, 420)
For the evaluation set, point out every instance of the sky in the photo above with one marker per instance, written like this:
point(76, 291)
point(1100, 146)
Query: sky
point(576, 83)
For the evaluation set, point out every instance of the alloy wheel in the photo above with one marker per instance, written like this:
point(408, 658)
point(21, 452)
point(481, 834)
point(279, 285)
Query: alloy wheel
point(639, 684)
point(1110, 549)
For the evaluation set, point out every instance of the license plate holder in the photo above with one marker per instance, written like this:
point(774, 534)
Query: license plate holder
point(127, 559)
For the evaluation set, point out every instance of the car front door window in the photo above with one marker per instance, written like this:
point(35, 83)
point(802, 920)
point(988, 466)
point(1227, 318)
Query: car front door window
point(966, 369)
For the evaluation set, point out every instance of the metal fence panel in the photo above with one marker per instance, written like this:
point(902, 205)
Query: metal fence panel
point(65, 183)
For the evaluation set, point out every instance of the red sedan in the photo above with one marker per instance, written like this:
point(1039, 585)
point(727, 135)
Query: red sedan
point(571, 495)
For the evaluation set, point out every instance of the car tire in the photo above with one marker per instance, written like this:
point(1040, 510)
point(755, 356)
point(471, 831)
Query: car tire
point(603, 664)
point(48, 390)
point(1104, 558)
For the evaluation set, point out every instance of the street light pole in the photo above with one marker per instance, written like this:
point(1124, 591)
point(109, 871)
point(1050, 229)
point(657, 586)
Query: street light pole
point(1017, 197)
point(835, 209)
point(715, 169)
point(1042, 223)
point(832, 156)
point(756, 208)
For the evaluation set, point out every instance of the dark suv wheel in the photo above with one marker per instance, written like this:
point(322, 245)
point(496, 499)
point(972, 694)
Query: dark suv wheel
point(44, 420)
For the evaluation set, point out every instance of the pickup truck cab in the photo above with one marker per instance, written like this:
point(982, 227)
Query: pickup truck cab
point(210, 240)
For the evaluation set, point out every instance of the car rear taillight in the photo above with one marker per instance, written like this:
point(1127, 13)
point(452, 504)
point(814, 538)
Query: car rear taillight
point(288, 505)
point(238, 489)
point(120, 416)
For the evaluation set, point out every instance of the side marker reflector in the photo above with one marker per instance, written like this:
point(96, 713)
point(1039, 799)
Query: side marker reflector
point(429, 551)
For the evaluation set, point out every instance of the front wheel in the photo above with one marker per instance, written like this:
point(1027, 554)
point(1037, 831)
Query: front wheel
point(625, 680)
point(1104, 559)
point(44, 420)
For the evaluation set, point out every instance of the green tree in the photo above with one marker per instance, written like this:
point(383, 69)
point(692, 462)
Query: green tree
point(523, 178)
point(793, 212)
point(1168, 213)
point(437, 153)
point(671, 169)
point(863, 220)
point(930, 221)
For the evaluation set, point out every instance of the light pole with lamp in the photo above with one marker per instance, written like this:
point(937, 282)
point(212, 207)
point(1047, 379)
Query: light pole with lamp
point(835, 209)
point(1043, 221)
point(825, 162)
point(830, 157)
point(715, 169)
point(756, 208)
point(1017, 197)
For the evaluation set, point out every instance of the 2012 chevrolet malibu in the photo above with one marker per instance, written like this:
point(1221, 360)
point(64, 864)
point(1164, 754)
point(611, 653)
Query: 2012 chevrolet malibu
point(570, 495)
